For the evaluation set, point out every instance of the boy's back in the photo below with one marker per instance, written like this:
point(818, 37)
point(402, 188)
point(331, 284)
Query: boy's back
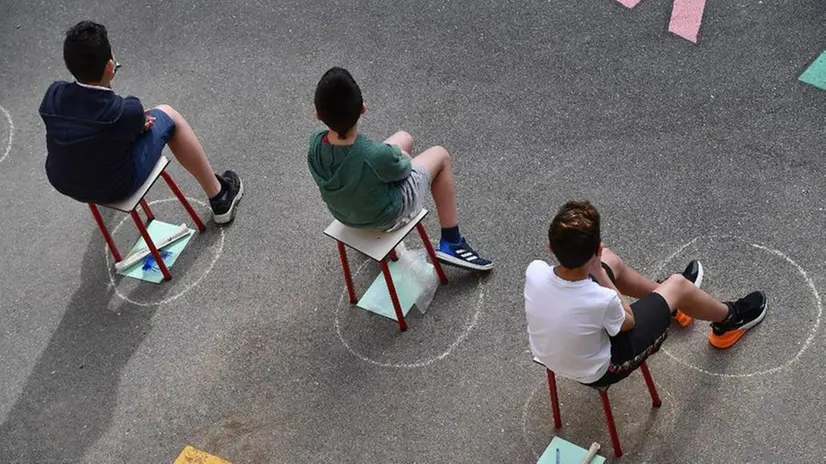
point(359, 182)
point(569, 323)
point(89, 135)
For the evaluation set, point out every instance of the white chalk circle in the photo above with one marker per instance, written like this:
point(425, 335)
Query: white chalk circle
point(629, 401)
point(219, 248)
point(11, 134)
point(776, 310)
point(470, 323)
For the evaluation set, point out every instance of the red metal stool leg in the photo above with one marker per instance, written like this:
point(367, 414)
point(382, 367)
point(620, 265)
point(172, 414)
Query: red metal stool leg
point(554, 399)
point(345, 267)
point(612, 428)
point(149, 216)
point(174, 187)
point(393, 296)
point(393, 256)
point(155, 254)
point(652, 389)
point(432, 253)
point(106, 236)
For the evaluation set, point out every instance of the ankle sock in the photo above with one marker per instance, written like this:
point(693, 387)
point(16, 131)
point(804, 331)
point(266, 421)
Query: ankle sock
point(729, 316)
point(451, 234)
point(221, 193)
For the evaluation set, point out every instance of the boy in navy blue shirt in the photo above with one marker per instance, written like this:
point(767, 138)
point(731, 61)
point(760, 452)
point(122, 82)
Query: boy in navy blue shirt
point(102, 147)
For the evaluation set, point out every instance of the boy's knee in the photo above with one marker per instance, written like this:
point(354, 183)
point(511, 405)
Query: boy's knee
point(167, 109)
point(405, 136)
point(679, 281)
point(442, 152)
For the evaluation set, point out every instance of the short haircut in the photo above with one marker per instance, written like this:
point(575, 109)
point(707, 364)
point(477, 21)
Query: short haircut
point(86, 51)
point(574, 234)
point(338, 100)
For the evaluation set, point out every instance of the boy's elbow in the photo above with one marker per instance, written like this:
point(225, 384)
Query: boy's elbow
point(627, 325)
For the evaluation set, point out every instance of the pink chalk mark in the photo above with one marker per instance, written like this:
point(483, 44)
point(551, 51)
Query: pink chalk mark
point(629, 3)
point(686, 18)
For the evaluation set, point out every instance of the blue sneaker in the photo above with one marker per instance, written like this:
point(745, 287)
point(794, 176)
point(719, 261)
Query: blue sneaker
point(462, 255)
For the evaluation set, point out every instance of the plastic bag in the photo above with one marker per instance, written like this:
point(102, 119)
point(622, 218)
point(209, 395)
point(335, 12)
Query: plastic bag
point(414, 264)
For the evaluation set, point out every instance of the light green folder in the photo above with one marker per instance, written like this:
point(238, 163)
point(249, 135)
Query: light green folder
point(147, 269)
point(408, 288)
point(569, 453)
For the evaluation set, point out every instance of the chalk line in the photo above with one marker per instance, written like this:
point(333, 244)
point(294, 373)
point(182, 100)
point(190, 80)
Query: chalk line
point(182, 292)
point(803, 274)
point(421, 363)
point(686, 18)
point(629, 3)
point(11, 134)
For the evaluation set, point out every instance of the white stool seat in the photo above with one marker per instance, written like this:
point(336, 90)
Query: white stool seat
point(376, 244)
point(131, 203)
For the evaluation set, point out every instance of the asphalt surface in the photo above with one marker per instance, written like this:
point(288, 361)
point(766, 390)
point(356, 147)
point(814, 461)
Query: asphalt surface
point(709, 151)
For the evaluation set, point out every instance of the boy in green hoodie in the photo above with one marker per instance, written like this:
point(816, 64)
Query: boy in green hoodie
point(367, 184)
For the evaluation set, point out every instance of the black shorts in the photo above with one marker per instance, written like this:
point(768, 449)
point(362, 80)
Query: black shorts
point(652, 317)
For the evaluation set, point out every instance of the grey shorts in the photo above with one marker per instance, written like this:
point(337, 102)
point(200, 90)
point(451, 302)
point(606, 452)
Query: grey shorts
point(414, 191)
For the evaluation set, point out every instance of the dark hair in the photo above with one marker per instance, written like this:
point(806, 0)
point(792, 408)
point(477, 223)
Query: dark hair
point(86, 51)
point(574, 234)
point(338, 100)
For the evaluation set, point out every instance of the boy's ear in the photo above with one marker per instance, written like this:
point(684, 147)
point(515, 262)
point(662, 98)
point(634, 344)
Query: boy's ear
point(599, 250)
point(109, 70)
point(363, 108)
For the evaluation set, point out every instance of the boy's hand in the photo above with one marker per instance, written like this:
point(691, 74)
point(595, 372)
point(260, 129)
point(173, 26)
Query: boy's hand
point(596, 269)
point(150, 120)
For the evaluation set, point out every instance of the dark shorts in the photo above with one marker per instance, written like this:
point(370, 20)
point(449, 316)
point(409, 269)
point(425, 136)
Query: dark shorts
point(652, 318)
point(147, 149)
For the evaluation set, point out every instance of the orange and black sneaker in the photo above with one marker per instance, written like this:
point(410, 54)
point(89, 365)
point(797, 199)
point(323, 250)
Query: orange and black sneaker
point(743, 314)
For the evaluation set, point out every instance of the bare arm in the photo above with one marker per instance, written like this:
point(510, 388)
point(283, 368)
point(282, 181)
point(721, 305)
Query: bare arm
point(602, 278)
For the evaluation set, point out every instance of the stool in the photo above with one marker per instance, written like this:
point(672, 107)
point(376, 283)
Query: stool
point(606, 404)
point(379, 246)
point(130, 206)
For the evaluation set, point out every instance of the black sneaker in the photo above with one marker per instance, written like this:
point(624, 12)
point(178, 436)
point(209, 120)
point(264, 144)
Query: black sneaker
point(223, 208)
point(462, 255)
point(694, 273)
point(743, 314)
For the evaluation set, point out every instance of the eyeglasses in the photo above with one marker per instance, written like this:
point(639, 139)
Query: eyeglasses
point(117, 66)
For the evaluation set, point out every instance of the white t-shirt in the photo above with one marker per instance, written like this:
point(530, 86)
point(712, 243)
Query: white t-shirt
point(569, 323)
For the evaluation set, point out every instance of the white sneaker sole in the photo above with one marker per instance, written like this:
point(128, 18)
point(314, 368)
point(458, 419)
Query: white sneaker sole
point(454, 261)
point(230, 214)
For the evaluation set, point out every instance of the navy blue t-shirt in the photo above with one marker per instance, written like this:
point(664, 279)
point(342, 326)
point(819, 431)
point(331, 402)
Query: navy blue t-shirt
point(89, 137)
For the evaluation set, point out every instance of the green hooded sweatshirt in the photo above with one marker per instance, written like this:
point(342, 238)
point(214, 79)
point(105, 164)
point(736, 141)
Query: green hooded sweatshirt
point(360, 183)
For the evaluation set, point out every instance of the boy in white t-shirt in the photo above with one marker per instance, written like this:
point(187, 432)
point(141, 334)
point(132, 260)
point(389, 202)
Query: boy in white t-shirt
point(580, 325)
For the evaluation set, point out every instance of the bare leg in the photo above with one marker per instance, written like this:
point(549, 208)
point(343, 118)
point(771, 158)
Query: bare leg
point(402, 140)
point(437, 162)
point(629, 282)
point(679, 292)
point(187, 149)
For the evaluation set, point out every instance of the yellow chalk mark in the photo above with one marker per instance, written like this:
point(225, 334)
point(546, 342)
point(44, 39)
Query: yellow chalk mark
point(191, 455)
